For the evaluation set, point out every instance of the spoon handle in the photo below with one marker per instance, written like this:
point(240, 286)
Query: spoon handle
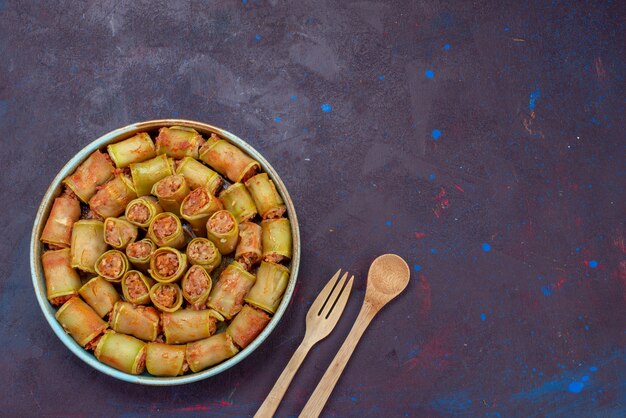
point(316, 402)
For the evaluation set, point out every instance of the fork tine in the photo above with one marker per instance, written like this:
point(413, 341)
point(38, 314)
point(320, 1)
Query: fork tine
point(341, 302)
point(328, 306)
point(319, 301)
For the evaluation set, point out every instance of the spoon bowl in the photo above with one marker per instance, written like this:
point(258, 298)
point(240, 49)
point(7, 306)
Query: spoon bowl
point(388, 276)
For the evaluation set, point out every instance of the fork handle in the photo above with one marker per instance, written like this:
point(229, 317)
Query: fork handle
point(269, 406)
point(316, 402)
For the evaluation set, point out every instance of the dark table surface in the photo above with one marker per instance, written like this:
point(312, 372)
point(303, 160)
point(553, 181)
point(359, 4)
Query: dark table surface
point(481, 141)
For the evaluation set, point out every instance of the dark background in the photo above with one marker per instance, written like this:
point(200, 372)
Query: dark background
point(512, 219)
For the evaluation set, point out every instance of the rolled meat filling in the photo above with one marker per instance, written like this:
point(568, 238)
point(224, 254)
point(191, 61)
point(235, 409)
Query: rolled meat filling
point(196, 200)
point(201, 251)
point(138, 250)
point(167, 187)
point(91, 345)
point(138, 213)
point(197, 282)
point(166, 265)
point(276, 213)
point(165, 296)
point(136, 287)
point(60, 300)
point(164, 227)
point(221, 223)
point(111, 265)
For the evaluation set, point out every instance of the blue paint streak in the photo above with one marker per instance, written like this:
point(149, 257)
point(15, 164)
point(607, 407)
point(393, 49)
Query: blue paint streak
point(593, 369)
point(446, 47)
point(436, 134)
point(429, 74)
point(293, 97)
point(546, 290)
point(417, 267)
point(534, 96)
point(575, 387)
point(381, 77)
point(483, 316)
point(326, 108)
point(277, 119)
point(593, 264)
point(388, 223)
point(431, 177)
point(486, 247)
point(452, 404)
point(258, 37)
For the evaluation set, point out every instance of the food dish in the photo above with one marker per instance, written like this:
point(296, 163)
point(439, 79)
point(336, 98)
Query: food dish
point(136, 276)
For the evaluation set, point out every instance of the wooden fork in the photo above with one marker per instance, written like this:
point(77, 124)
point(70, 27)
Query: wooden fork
point(320, 321)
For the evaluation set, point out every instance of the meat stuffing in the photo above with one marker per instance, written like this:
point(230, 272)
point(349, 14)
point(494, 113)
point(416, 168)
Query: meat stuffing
point(165, 296)
point(196, 200)
point(164, 227)
point(138, 213)
point(197, 282)
point(167, 187)
point(200, 250)
point(221, 222)
point(136, 287)
point(166, 264)
point(111, 265)
point(138, 250)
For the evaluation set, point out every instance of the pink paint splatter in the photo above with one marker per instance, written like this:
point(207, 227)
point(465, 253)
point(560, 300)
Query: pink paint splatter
point(424, 295)
point(420, 235)
point(211, 406)
point(600, 72)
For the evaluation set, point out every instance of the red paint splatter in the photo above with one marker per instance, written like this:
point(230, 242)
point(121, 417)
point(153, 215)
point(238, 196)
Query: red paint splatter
point(578, 221)
point(600, 72)
point(442, 203)
point(420, 235)
point(432, 354)
point(459, 188)
point(211, 406)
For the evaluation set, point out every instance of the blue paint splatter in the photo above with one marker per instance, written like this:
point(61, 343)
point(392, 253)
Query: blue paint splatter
point(388, 223)
point(381, 77)
point(546, 290)
point(417, 267)
point(73, 69)
point(506, 29)
point(244, 2)
point(429, 74)
point(277, 119)
point(593, 264)
point(436, 134)
point(433, 251)
point(326, 108)
point(486, 247)
point(293, 97)
point(4, 107)
point(305, 130)
point(575, 387)
point(258, 37)
point(431, 177)
point(3, 4)
point(483, 316)
point(176, 113)
point(446, 47)
point(586, 327)
point(577, 249)
point(593, 369)
point(534, 96)
point(584, 378)
point(353, 398)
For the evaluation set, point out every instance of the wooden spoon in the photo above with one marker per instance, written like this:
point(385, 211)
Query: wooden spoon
point(387, 278)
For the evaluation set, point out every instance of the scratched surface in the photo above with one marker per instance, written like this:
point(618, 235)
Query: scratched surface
point(482, 141)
